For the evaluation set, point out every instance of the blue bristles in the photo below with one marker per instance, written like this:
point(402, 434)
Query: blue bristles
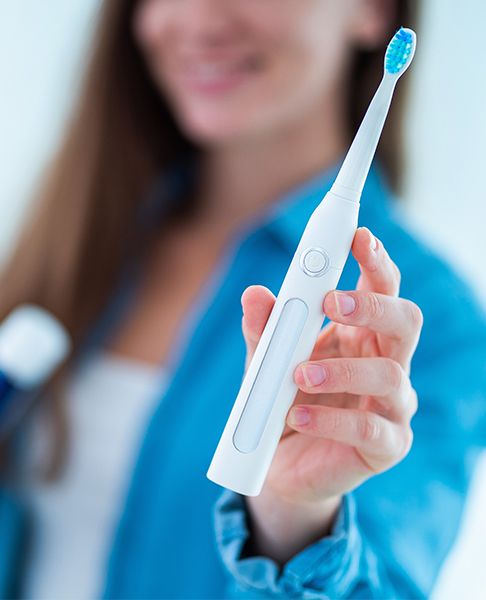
point(398, 51)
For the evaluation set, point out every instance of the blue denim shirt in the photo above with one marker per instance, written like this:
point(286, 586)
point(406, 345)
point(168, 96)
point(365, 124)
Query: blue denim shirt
point(181, 536)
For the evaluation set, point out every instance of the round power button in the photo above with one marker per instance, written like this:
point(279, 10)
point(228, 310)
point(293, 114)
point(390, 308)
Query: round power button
point(314, 262)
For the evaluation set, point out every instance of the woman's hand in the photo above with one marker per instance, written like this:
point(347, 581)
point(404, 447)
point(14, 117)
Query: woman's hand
point(351, 416)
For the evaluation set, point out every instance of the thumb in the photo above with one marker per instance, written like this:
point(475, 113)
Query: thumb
point(257, 302)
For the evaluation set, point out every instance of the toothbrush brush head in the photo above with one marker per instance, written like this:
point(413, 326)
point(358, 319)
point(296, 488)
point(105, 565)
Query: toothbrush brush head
point(400, 52)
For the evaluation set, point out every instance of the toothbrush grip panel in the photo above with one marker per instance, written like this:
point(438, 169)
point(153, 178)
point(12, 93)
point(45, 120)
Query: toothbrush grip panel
point(272, 370)
point(254, 427)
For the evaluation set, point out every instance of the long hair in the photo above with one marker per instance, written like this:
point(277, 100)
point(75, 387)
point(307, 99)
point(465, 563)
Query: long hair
point(121, 136)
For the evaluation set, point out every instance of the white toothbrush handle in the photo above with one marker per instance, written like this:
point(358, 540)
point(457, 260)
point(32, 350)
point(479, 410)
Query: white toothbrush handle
point(256, 422)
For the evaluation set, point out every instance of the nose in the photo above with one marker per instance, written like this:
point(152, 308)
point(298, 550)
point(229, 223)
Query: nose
point(208, 22)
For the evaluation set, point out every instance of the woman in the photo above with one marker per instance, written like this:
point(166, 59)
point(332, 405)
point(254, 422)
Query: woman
point(206, 133)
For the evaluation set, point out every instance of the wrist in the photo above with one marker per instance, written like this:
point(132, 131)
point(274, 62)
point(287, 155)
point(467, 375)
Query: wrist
point(280, 528)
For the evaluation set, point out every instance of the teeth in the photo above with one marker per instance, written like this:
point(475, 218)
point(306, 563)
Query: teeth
point(212, 72)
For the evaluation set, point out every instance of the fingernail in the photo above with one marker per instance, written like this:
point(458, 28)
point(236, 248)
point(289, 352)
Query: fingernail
point(345, 304)
point(313, 374)
point(299, 376)
point(299, 415)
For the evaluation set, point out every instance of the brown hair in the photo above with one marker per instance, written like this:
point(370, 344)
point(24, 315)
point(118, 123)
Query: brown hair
point(121, 136)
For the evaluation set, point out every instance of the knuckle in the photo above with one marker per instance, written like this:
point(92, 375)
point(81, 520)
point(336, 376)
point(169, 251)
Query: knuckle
point(415, 316)
point(368, 428)
point(374, 307)
point(334, 421)
point(394, 374)
point(348, 372)
point(407, 441)
point(396, 273)
point(413, 402)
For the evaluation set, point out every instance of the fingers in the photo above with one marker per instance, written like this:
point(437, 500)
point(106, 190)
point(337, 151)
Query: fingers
point(257, 302)
point(380, 441)
point(382, 378)
point(378, 272)
point(394, 317)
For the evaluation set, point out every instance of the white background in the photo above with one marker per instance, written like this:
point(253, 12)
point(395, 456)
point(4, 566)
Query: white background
point(41, 45)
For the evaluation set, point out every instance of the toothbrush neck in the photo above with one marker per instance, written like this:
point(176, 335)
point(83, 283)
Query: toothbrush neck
point(346, 193)
point(350, 180)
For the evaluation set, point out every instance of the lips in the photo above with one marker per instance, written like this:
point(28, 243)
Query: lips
point(211, 76)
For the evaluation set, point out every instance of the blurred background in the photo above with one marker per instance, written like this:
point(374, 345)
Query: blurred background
point(42, 48)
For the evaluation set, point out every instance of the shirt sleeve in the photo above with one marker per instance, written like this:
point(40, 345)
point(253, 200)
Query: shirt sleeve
point(389, 539)
point(329, 568)
point(393, 532)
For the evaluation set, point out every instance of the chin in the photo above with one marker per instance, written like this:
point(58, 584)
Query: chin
point(215, 129)
point(214, 133)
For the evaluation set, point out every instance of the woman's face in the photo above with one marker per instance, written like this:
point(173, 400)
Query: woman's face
point(232, 69)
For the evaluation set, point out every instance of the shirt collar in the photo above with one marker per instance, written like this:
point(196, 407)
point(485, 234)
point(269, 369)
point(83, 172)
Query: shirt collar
point(287, 217)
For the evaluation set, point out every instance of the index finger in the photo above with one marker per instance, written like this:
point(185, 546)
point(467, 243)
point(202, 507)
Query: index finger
point(378, 272)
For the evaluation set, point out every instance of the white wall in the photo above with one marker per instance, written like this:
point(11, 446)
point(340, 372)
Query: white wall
point(40, 46)
point(40, 50)
point(447, 134)
point(446, 198)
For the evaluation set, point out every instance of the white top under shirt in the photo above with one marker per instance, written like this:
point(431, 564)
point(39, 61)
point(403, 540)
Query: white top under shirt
point(109, 401)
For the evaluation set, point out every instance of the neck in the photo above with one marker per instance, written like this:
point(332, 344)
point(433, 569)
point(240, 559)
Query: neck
point(240, 179)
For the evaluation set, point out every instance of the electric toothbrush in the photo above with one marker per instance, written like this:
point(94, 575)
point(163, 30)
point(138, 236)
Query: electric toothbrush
point(257, 420)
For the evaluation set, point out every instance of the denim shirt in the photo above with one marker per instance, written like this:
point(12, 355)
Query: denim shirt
point(181, 536)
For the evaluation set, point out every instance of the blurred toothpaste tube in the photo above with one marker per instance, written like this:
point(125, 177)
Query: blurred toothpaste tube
point(33, 344)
